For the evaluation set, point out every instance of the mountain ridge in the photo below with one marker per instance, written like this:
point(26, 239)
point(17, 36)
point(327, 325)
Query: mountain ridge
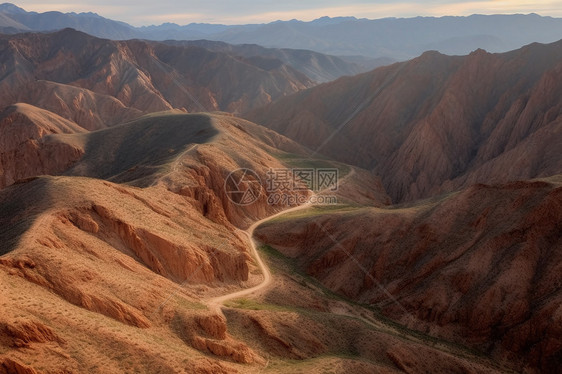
point(394, 38)
point(436, 123)
point(139, 75)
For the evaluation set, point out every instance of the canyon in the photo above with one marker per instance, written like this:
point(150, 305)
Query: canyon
point(436, 123)
point(128, 244)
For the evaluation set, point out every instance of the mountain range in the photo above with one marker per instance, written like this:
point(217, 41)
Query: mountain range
point(390, 38)
point(96, 83)
point(140, 230)
point(436, 123)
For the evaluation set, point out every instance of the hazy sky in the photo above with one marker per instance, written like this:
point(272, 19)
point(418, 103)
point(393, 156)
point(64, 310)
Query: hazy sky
point(146, 12)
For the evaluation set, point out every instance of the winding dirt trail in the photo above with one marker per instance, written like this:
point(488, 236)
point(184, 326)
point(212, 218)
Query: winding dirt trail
point(216, 303)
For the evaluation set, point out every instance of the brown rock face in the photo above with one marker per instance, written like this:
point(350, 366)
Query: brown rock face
point(238, 352)
point(9, 366)
point(24, 332)
point(436, 123)
point(207, 333)
point(91, 110)
point(481, 267)
point(97, 83)
point(25, 147)
point(214, 325)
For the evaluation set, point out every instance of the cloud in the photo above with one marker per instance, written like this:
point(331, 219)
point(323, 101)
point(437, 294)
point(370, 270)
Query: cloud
point(143, 12)
point(547, 8)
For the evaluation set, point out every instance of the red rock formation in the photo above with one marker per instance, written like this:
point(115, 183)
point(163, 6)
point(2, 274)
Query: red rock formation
point(236, 351)
point(436, 123)
point(9, 366)
point(481, 267)
point(91, 110)
point(97, 82)
point(207, 333)
point(214, 325)
point(25, 149)
point(24, 332)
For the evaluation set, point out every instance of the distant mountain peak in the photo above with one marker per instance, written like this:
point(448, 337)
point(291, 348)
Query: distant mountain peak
point(325, 20)
point(430, 54)
point(89, 14)
point(11, 8)
point(479, 51)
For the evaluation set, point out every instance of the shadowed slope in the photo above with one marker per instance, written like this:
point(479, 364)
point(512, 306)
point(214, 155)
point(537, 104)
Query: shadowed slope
point(19, 212)
point(481, 267)
point(436, 123)
point(146, 143)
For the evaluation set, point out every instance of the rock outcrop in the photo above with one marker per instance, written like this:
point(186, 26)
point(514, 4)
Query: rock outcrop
point(23, 333)
point(9, 366)
point(26, 150)
point(208, 334)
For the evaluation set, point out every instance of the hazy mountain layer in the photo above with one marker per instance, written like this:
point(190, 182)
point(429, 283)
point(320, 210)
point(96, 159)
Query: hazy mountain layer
point(395, 38)
point(319, 67)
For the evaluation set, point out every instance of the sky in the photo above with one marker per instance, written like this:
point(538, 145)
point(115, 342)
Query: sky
point(148, 12)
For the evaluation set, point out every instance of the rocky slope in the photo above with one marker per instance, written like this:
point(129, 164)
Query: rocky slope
point(93, 271)
point(436, 123)
point(319, 67)
point(142, 76)
point(480, 267)
point(106, 268)
point(88, 286)
point(27, 150)
point(103, 278)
